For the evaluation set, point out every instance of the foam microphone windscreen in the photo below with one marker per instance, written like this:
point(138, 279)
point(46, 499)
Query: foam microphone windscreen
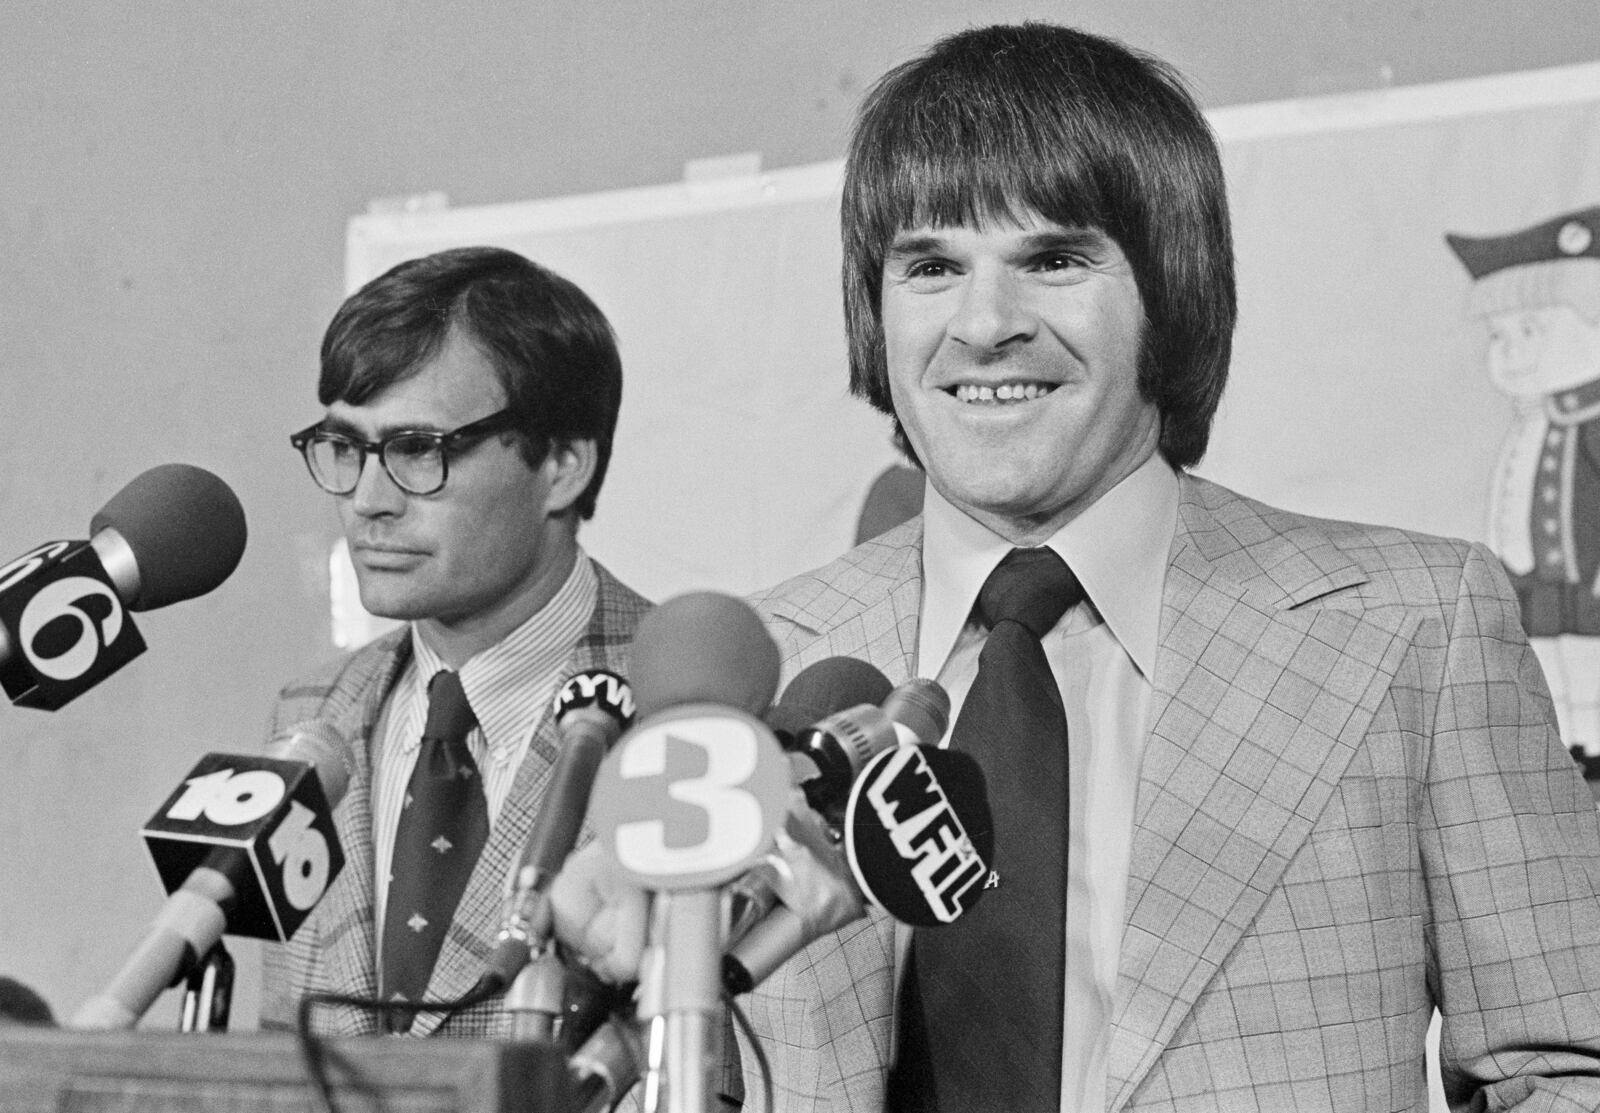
point(827, 686)
point(186, 530)
point(703, 647)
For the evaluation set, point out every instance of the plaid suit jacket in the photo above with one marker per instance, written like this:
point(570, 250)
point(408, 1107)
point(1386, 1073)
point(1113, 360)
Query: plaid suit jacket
point(333, 950)
point(1353, 807)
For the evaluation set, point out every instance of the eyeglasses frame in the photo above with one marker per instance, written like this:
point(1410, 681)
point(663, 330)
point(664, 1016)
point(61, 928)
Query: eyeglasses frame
point(500, 421)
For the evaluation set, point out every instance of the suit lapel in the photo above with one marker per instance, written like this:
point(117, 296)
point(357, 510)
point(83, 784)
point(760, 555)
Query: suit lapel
point(867, 602)
point(1257, 711)
point(347, 937)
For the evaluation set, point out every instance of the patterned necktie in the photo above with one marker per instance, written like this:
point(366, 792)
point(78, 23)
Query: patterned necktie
point(981, 1004)
point(442, 829)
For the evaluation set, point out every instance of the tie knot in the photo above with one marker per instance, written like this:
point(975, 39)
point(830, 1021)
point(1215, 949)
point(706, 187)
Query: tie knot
point(450, 717)
point(1033, 587)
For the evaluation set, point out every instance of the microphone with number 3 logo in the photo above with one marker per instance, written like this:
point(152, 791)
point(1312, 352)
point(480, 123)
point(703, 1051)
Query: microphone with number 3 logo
point(688, 800)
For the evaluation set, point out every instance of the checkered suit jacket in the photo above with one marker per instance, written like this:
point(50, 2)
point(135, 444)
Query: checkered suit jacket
point(1353, 808)
point(333, 950)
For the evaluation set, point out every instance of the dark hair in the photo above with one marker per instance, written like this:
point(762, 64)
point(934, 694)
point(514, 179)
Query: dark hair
point(1003, 122)
point(553, 349)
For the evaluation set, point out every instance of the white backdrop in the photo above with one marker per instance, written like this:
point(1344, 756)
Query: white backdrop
point(1357, 389)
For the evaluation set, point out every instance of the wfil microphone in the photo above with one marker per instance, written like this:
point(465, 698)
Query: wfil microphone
point(174, 532)
point(825, 760)
point(918, 833)
point(245, 846)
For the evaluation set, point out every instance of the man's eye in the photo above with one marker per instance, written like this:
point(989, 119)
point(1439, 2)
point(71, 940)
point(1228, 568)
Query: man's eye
point(1056, 261)
point(411, 448)
point(928, 268)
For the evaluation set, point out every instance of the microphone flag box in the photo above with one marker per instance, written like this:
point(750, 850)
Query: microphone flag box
point(66, 627)
point(263, 823)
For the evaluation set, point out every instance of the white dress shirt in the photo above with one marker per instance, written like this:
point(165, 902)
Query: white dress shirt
point(509, 686)
point(1103, 657)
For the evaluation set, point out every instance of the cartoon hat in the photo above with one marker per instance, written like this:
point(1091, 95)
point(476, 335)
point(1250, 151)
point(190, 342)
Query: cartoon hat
point(1575, 235)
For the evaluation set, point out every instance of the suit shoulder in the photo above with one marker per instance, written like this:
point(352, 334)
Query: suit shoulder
point(346, 672)
point(871, 569)
point(617, 607)
point(1363, 561)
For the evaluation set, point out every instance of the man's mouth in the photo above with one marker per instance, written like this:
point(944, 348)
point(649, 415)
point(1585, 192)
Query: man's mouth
point(1000, 394)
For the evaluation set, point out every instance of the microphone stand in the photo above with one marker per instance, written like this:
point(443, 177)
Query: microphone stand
point(208, 993)
point(534, 1000)
point(681, 998)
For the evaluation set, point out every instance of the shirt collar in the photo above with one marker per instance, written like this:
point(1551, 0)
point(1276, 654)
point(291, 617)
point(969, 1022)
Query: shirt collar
point(1118, 548)
point(497, 678)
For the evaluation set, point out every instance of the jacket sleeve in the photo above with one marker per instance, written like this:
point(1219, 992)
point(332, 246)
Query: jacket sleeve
point(1510, 848)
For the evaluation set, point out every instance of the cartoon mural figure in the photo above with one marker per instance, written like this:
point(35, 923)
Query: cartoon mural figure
point(1538, 293)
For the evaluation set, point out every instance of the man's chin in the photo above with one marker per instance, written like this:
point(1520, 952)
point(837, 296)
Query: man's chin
point(394, 603)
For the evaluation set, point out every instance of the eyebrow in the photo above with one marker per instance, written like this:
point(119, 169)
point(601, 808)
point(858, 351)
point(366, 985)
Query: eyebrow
point(1077, 239)
point(346, 428)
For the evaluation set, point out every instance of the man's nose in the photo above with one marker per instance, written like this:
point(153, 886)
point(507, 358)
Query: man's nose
point(994, 311)
point(376, 493)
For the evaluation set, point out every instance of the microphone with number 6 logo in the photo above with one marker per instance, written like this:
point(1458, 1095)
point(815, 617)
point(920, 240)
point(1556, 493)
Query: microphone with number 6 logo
point(688, 799)
point(245, 846)
point(174, 532)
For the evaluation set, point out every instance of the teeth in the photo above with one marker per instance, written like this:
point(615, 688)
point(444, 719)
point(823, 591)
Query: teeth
point(1005, 392)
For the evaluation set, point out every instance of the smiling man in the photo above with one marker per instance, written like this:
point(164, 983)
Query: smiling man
point(471, 397)
point(1268, 789)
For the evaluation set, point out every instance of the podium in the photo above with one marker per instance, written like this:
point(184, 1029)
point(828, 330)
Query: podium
point(53, 1071)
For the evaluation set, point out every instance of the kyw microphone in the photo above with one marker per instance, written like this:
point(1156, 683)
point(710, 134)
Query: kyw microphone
point(245, 846)
point(174, 532)
point(591, 710)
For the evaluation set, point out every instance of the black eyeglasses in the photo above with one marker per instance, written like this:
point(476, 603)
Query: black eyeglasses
point(417, 461)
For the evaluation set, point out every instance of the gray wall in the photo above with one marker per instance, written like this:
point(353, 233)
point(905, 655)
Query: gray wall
point(174, 183)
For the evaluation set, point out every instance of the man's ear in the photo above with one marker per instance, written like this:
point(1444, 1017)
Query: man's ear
point(570, 466)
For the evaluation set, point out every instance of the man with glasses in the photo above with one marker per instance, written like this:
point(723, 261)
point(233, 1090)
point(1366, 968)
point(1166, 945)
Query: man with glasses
point(471, 397)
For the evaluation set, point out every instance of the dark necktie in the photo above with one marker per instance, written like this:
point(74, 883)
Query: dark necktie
point(443, 824)
point(981, 1004)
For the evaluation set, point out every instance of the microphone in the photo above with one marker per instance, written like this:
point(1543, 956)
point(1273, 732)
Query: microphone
point(821, 689)
point(827, 758)
point(591, 710)
point(245, 845)
point(688, 799)
point(817, 761)
point(780, 907)
point(918, 841)
point(919, 836)
point(174, 532)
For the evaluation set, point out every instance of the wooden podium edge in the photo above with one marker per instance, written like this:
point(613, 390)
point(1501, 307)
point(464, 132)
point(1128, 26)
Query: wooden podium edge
point(46, 1070)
